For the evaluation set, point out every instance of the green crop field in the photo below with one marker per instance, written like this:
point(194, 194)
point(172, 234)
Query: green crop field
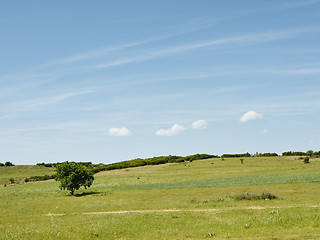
point(188, 200)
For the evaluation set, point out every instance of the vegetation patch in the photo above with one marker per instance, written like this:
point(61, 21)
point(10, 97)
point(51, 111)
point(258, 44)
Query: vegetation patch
point(39, 178)
point(292, 178)
point(306, 160)
point(251, 196)
point(151, 161)
point(168, 202)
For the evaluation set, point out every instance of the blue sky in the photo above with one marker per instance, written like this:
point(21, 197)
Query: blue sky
point(106, 81)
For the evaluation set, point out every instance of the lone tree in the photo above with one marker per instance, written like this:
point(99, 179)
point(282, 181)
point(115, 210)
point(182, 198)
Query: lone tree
point(72, 176)
point(309, 153)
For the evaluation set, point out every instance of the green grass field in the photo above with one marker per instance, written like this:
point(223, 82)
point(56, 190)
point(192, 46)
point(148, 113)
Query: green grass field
point(194, 200)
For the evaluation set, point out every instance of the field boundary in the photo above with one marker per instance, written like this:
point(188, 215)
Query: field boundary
point(180, 210)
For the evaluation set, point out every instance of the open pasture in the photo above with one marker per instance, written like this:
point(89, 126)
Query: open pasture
point(192, 200)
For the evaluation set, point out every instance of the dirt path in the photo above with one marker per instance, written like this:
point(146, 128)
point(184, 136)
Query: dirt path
point(181, 210)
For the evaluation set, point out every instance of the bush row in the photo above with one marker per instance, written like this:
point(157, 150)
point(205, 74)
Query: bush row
point(237, 155)
point(86, 164)
point(289, 153)
point(39, 178)
point(150, 161)
point(250, 196)
point(308, 153)
point(95, 168)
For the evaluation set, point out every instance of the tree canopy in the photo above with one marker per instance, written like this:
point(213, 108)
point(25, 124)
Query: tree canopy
point(72, 176)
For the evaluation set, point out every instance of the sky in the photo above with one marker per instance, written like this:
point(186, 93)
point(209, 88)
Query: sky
point(108, 81)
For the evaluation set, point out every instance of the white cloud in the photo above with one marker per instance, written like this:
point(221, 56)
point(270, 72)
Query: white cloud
point(119, 132)
point(199, 124)
point(251, 115)
point(264, 131)
point(176, 128)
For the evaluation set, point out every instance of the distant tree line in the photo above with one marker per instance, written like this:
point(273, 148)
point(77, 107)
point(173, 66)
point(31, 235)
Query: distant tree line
point(40, 178)
point(294, 153)
point(85, 164)
point(236, 155)
point(95, 168)
point(266, 155)
point(309, 153)
point(6, 164)
point(138, 162)
point(88, 165)
point(239, 155)
point(151, 161)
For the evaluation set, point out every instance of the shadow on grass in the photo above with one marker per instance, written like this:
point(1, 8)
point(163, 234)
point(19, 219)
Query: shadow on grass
point(87, 193)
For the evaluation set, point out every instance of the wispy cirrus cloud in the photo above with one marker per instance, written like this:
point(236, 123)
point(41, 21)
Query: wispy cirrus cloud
point(94, 53)
point(41, 102)
point(295, 71)
point(294, 4)
point(190, 26)
point(230, 42)
point(6, 117)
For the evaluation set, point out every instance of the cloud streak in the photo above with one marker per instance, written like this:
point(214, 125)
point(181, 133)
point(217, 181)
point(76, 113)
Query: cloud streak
point(41, 102)
point(188, 27)
point(299, 4)
point(229, 42)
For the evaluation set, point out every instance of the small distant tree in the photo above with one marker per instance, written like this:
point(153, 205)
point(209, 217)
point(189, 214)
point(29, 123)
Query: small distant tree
point(309, 153)
point(72, 176)
point(9, 164)
point(241, 160)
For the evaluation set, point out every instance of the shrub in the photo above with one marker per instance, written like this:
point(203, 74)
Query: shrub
point(306, 160)
point(250, 196)
point(268, 196)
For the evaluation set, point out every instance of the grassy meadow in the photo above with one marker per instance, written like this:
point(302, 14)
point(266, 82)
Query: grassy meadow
point(192, 200)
